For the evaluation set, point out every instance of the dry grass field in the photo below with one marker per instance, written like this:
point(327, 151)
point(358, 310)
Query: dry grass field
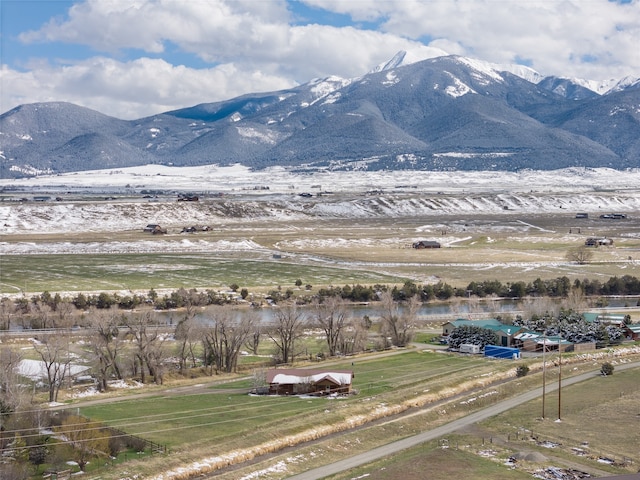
point(321, 251)
point(595, 436)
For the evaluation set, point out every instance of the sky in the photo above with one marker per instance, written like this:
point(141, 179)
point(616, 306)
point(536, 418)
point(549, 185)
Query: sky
point(135, 58)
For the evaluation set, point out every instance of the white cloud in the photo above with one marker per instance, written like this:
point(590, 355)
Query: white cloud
point(220, 27)
point(595, 39)
point(254, 46)
point(250, 44)
point(130, 90)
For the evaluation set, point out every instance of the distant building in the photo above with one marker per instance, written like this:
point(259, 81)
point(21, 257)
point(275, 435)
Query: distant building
point(491, 323)
point(597, 242)
point(426, 244)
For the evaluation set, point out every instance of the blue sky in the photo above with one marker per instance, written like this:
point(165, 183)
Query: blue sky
point(133, 58)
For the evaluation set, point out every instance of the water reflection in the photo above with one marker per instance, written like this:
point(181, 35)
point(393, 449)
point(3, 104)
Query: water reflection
point(429, 311)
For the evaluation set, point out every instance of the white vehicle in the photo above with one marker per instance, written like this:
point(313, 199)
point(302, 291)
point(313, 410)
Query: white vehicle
point(469, 348)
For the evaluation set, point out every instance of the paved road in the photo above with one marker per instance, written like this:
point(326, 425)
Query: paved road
point(409, 442)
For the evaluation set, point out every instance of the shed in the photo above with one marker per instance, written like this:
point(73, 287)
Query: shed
point(632, 331)
point(299, 381)
point(617, 319)
point(532, 342)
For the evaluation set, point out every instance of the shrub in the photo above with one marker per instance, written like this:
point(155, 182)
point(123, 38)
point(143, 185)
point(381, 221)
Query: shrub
point(135, 443)
point(116, 445)
point(522, 371)
point(606, 369)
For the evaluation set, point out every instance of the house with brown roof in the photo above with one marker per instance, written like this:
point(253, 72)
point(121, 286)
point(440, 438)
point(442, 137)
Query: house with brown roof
point(300, 381)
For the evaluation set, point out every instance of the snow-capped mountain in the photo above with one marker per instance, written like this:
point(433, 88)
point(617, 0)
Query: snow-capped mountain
point(439, 113)
point(602, 87)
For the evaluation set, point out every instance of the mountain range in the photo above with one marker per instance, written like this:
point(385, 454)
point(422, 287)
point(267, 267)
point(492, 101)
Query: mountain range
point(442, 113)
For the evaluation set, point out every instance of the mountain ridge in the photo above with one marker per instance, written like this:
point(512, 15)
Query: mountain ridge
point(439, 113)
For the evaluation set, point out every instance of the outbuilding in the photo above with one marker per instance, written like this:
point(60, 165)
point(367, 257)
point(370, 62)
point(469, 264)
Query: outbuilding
point(299, 381)
point(426, 244)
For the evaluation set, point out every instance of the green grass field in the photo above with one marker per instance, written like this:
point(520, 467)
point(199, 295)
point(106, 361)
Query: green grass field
point(222, 420)
point(177, 421)
point(107, 272)
point(323, 252)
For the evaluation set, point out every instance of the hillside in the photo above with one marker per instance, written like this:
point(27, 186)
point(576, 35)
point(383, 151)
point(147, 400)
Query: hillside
point(112, 200)
point(440, 114)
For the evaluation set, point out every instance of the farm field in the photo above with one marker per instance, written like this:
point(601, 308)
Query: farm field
point(141, 272)
point(593, 437)
point(320, 252)
point(399, 394)
point(230, 418)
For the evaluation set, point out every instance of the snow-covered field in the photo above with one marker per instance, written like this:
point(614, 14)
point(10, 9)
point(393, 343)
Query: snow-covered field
point(237, 178)
point(245, 197)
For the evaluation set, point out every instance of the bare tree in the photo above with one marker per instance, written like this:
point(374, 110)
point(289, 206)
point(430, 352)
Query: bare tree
point(105, 344)
point(224, 337)
point(187, 335)
point(63, 314)
point(41, 315)
point(581, 255)
point(538, 306)
point(149, 350)
point(253, 340)
point(54, 353)
point(353, 337)
point(398, 323)
point(575, 301)
point(7, 310)
point(288, 326)
point(331, 316)
point(11, 389)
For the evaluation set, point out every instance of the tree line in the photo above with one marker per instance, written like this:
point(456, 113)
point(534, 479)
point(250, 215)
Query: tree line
point(50, 311)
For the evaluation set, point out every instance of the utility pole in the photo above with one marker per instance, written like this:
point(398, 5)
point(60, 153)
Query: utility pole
point(559, 382)
point(544, 371)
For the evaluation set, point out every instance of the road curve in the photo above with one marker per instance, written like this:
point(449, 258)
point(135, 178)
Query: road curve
point(391, 448)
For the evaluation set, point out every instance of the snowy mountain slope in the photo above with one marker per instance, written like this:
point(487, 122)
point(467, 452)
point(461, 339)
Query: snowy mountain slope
point(442, 113)
point(599, 87)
